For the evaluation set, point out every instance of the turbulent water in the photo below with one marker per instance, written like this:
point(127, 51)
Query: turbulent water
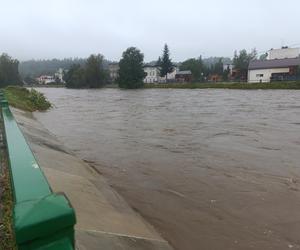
point(210, 169)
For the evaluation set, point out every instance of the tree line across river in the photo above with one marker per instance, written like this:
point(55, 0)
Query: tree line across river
point(93, 73)
point(131, 70)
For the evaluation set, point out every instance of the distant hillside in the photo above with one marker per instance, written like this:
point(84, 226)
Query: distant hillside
point(35, 68)
point(213, 60)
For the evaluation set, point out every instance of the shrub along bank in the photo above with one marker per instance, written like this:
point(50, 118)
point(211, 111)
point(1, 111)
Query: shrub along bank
point(25, 99)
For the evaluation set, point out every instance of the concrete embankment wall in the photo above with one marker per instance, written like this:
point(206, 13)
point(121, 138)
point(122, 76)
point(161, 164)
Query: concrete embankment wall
point(104, 220)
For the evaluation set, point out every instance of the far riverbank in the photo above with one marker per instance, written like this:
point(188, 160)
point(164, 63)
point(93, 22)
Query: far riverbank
point(212, 85)
point(226, 85)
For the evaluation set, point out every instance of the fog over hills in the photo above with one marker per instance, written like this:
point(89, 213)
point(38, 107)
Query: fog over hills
point(35, 68)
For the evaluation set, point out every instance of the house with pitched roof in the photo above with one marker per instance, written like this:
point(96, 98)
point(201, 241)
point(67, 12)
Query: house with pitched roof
point(280, 65)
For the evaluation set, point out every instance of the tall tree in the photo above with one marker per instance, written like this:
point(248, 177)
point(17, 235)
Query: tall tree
point(75, 77)
point(196, 66)
point(225, 75)
point(217, 68)
point(9, 72)
point(90, 75)
point(241, 62)
point(95, 74)
point(263, 56)
point(165, 63)
point(131, 72)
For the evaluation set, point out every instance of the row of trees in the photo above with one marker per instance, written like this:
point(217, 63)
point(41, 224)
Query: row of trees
point(131, 73)
point(200, 70)
point(34, 68)
point(92, 74)
point(9, 72)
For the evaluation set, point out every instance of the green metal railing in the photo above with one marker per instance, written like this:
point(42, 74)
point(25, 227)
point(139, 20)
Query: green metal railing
point(41, 219)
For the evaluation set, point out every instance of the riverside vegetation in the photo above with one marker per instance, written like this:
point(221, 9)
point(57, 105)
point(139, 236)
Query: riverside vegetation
point(225, 85)
point(25, 99)
point(93, 73)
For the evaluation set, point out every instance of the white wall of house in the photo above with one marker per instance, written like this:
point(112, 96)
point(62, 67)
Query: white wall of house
point(113, 71)
point(283, 53)
point(228, 66)
point(264, 75)
point(44, 79)
point(172, 75)
point(152, 75)
point(60, 75)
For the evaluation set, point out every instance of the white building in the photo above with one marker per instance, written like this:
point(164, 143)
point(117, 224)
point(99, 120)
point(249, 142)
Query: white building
point(283, 53)
point(229, 66)
point(59, 75)
point(45, 79)
point(153, 74)
point(281, 64)
point(113, 71)
point(172, 76)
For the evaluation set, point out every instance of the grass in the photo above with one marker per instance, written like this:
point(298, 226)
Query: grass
point(223, 85)
point(25, 99)
point(7, 240)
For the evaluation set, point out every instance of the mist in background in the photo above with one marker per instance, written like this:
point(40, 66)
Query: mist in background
point(77, 28)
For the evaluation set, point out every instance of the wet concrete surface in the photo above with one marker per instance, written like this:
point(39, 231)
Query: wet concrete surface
point(210, 169)
point(104, 219)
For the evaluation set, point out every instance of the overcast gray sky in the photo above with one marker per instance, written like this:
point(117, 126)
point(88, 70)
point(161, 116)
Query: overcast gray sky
point(76, 28)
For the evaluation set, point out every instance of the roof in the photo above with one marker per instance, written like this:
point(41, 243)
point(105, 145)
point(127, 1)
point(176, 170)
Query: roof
point(113, 63)
point(184, 72)
point(152, 64)
point(276, 63)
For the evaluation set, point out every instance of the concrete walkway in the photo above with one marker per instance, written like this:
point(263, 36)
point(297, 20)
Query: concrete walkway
point(104, 220)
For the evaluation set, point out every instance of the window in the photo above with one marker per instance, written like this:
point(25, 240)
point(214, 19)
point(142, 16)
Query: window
point(259, 75)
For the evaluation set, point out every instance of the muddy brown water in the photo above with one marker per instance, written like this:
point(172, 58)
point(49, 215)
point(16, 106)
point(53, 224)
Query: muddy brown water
point(210, 169)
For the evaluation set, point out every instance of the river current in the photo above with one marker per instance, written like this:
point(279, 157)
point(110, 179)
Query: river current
point(209, 169)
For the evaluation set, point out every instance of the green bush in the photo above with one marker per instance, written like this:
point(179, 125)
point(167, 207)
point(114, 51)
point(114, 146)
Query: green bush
point(23, 98)
point(38, 99)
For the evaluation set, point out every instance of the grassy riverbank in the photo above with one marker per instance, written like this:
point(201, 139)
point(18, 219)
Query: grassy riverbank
point(7, 241)
point(221, 85)
point(29, 100)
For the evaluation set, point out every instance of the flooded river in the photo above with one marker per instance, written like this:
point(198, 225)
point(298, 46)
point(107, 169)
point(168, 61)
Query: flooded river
point(209, 169)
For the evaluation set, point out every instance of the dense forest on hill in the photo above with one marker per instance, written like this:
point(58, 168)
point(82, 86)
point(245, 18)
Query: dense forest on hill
point(213, 60)
point(35, 68)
